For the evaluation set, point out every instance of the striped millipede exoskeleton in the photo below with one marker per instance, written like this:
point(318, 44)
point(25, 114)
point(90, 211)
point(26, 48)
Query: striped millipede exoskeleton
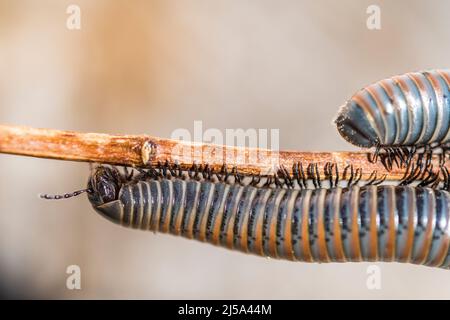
point(399, 115)
point(337, 224)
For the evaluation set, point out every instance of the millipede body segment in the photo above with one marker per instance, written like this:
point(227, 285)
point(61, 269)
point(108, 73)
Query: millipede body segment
point(369, 223)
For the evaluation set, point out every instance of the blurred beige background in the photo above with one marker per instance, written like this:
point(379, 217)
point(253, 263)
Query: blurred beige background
point(155, 66)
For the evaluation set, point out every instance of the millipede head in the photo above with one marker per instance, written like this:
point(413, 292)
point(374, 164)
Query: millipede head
point(103, 186)
point(355, 126)
point(105, 183)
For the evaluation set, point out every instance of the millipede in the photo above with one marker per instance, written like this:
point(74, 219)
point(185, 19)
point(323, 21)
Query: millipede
point(399, 115)
point(310, 212)
point(317, 224)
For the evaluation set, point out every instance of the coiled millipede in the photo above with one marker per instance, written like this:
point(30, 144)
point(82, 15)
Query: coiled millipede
point(338, 224)
point(400, 114)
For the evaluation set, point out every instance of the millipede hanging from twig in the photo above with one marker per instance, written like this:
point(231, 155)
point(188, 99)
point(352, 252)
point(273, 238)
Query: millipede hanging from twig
point(369, 223)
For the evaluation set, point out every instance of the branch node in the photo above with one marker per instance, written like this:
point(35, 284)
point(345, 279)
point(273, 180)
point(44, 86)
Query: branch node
point(148, 152)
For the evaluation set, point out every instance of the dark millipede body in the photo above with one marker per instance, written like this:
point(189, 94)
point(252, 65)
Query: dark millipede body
point(407, 110)
point(370, 223)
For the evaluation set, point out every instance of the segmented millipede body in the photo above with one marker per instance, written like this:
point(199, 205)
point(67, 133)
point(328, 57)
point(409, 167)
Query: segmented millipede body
point(406, 110)
point(369, 223)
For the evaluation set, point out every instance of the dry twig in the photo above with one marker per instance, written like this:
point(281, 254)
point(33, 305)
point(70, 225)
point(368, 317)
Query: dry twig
point(141, 150)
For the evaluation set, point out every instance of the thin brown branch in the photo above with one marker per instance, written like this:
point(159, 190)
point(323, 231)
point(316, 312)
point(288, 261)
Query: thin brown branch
point(142, 150)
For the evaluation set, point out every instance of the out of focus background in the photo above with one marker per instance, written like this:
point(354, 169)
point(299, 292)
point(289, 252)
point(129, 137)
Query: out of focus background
point(156, 66)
